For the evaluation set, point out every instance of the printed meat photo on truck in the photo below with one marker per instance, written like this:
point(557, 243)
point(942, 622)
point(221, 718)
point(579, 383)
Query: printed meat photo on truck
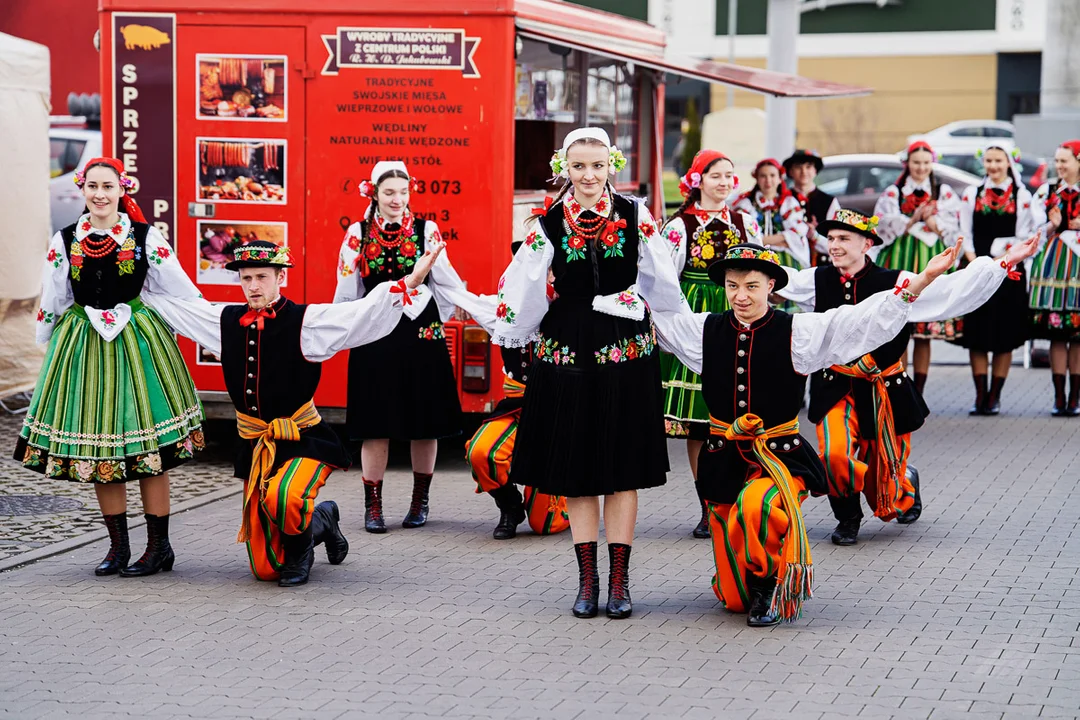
point(219, 240)
point(241, 87)
point(239, 170)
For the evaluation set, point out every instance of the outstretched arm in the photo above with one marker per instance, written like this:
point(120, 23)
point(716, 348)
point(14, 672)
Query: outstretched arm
point(961, 292)
point(844, 334)
point(329, 328)
point(679, 333)
point(170, 291)
point(800, 288)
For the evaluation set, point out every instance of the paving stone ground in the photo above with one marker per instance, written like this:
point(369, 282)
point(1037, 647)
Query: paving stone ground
point(77, 514)
point(972, 612)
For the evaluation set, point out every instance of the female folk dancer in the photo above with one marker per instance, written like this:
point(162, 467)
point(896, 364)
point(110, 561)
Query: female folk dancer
point(920, 217)
point(1055, 276)
point(403, 386)
point(592, 423)
point(993, 214)
point(114, 401)
point(699, 232)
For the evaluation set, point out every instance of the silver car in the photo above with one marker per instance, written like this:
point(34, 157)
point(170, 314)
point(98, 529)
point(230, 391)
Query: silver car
point(69, 149)
point(857, 181)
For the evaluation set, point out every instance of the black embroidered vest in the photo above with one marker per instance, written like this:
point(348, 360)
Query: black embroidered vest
point(828, 387)
point(101, 282)
point(267, 376)
point(584, 270)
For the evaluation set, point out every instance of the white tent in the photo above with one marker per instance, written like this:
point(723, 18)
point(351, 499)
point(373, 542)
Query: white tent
point(24, 200)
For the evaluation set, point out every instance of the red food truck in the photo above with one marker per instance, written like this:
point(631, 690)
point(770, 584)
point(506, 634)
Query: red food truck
point(258, 120)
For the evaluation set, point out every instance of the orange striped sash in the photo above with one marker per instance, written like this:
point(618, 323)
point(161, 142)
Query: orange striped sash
point(262, 458)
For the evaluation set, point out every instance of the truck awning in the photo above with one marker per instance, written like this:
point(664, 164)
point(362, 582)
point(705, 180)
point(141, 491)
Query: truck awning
point(647, 54)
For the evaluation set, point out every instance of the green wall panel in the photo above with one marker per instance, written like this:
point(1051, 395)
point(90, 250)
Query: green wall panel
point(908, 16)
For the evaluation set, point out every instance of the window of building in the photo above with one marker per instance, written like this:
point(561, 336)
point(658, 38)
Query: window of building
point(559, 89)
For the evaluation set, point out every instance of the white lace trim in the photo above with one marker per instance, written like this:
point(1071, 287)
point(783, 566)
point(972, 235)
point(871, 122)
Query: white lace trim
point(513, 342)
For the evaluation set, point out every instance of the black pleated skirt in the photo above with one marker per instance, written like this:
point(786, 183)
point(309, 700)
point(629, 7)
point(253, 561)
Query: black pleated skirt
point(1002, 324)
point(592, 422)
point(402, 387)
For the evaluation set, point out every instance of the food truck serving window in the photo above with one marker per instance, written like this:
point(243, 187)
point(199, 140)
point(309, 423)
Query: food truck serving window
point(551, 100)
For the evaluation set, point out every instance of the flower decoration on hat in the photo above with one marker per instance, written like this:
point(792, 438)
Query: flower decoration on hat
point(366, 189)
point(261, 254)
point(744, 252)
point(558, 164)
point(617, 159)
point(858, 220)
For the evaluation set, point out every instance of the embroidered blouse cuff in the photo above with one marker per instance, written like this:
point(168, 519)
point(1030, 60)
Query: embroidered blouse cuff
point(904, 294)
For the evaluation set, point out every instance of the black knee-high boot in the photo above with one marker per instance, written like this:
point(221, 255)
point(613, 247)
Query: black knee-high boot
point(979, 405)
point(299, 557)
point(1073, 408)
point(418, 510)
point(373, 517)
point(119, 548)
point(511, 511)
point(993, 398)
point(1059, 394)
point(159, 553)
point(588, 596)
point(326, 530)
point(618, 604)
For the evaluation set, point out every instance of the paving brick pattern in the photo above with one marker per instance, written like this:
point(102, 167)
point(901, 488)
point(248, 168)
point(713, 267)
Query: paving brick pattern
point(20, 533)
point(972, 612)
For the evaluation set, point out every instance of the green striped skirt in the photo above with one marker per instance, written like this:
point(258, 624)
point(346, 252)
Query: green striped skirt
point(106, 412)
point(912, 254)
point(1055, 293)
point(685, 414)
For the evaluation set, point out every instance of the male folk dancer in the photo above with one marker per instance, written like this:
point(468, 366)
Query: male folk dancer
point(865, 411)
point(271, 353)
point(756, 469)
point(818, 206)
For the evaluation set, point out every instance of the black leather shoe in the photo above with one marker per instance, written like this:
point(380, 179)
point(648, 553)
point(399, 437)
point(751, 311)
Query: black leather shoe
point(846, 533)
point(588, 597)
point(702, 530)
point(326, 527)
point(979, 406)
point(299, 557)
point(119, 547)
point(512, 508)
point(373, 517)
point(618, 604)
point(761, 595)
point(159, 553)
point(912, 474)
point(418, 509)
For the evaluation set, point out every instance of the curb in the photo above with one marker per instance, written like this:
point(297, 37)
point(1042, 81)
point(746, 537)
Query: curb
point(64, 546)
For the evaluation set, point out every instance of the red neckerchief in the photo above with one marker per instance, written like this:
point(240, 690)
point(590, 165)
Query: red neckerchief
point(257, 317)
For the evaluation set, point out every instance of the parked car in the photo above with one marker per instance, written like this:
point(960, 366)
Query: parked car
point(69, 149)
point(857, 181)
point(968, 133)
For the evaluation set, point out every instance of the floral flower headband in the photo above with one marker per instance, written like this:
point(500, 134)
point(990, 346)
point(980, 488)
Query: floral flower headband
point(126, 181)
point(367, 188)
point(1013, 155)
point(560, 169)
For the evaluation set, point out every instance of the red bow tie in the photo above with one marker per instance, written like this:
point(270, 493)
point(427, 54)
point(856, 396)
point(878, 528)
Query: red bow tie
point(257, 317)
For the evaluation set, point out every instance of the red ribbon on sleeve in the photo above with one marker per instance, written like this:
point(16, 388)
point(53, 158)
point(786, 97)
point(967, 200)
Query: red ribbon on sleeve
point(1010, 272)
point(406, 294)
point(548, 202)
point(902, 286)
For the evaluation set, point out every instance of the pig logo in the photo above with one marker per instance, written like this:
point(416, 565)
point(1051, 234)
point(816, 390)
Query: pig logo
point(143, 36)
